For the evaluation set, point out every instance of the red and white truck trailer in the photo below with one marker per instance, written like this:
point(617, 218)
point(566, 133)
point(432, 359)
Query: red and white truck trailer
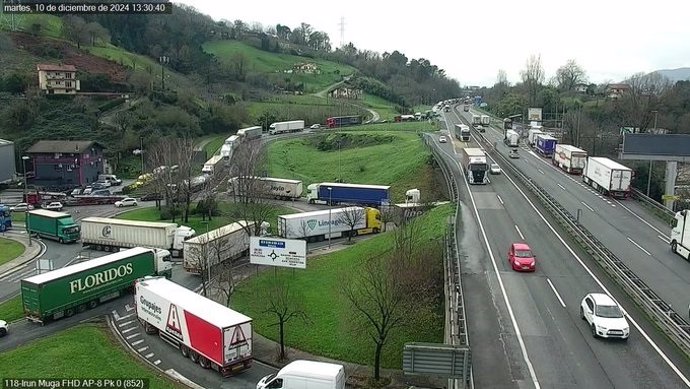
point(570, 158)
point(608, 177)
point(207, 332)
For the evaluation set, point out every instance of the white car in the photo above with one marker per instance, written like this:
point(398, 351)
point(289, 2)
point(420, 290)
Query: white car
point(126, 202)
point(54, 206)
point(3, 328)
point(315, 126)
point(605, 318)
point(21, 207)
point(495, 169)
point(442, 139)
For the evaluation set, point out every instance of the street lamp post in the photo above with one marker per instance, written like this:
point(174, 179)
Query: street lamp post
point(649, 172)
point(208, 258)
point(330, 206)
point(26, 212)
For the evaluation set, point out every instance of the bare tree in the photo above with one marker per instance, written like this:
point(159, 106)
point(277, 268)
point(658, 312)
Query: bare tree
point(637, 106)
point(225, 253)
point(198, 258)
point(533, 77)
point(502, 78)
point(569, 75)
point(352, 217)
point(284, 304)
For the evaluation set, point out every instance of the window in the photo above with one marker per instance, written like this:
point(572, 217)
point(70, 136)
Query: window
point(276, 384)
point(589, 304)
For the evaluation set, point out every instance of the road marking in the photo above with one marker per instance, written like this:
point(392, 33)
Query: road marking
point(124, 323)
point(588, 207)
point(556, 293)
point(142, 349)
point(541, 171)
point(116, 316)
point(149, 355)
point(639, 247)
point(140, 341)
point(128, 308)
point(129, 330)
point(561, 186)
point(642, 220)
point(500, 199)
point(126, 316)
point(665, 239)
point(519, 232)
point(133, 336)
point(156, 362)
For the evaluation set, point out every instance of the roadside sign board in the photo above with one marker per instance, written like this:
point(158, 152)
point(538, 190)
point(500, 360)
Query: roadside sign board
point(278, 252)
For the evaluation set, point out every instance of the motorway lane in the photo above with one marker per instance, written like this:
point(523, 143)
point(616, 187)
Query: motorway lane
point(624, 227)
point(555, 336)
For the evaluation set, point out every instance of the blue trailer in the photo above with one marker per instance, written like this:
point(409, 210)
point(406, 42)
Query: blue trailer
point(5, 218)
point(336, 193)
point(546, 145)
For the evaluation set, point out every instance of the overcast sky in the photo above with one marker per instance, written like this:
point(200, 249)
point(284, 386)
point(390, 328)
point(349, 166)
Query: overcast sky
point(472, 40)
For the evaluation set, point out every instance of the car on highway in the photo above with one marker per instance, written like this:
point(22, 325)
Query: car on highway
point(495, 169)
point(3, 328)
point(315, 126)
point(53, 206)
point(442, 139)
point(480, 128)
point(521, 258)
point(21, 207)
point(605, 318)
point(126, 202)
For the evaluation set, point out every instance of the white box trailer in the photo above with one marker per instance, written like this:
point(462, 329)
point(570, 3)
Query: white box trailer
point(211, 164)
point(307, 375)
point(485, 120)
point(313, 226)
point(214, 247)
point(283, 127)
point(250, 133)
point(476, 120)
point(570, 158)
point(512, 138)
point(608, 177)
point(209, 333)
point(680, 234)
point(279, 188)
point(532, 136)
point(108, 234)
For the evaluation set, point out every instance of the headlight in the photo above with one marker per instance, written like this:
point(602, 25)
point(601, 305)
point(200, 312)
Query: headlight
point(600, 328)
point(517, 263)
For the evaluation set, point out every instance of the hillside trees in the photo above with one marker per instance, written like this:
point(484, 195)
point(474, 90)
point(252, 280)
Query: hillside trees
point(569, 75)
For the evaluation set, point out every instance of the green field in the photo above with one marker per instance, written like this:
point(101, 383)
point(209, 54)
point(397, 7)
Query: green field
point(195, 221)
point(86, 351)
point(333, 329)
point(385, 108)
point(263, 62)
point(398, 159)
point(11, 310)
point(9, 250)
point(214, 143)
point(49, 25)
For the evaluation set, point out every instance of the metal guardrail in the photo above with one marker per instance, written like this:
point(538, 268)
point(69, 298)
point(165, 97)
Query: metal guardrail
point(660, 312)
point(664, 213)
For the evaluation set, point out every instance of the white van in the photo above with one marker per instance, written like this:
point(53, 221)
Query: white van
point(306, 375)
point(111, 178)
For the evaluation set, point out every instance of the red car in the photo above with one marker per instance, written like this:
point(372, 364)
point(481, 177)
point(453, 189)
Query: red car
point(521, 258)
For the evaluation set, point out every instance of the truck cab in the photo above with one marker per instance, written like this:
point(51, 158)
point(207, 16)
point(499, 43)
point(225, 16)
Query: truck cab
point(163, 264)
point(182, 233)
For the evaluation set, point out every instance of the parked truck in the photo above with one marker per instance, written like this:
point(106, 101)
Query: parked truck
point(512, 138)
point(279, 188)
point(476, 120)
point(475, 165)
point(285, 127)
point(570, 158)
point(229, 147)
point(71, 289)
point(546, 145)
point(211, 165)
point(114, 234)
point(336, 193)
point(208, 333)
point(344, 121)
point(249, 133)
point(307, 375)
point(462, 132)
point(52, 225)
point(532, 136)
point(608, 177)
point(313, 226)
point(485, 120)
point(680, 234)
point(226, 243)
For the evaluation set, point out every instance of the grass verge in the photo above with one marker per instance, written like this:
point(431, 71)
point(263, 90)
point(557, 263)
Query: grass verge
point(333, 329)
point(11, 310)
point(86, 351)
point(9, 250)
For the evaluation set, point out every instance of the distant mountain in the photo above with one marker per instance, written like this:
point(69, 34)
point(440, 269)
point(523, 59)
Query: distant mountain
point(675, 74)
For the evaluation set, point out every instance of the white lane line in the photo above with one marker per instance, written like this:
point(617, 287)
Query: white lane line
point(642, 220)
point(124, 323)
point(588, 207)
point(541, 171)
point(129, 330)
point(149, 355)
point(603, 287)
point(156, 362)
point(665, 239)
point(143, 349)
point(519, 232)
point(140, 341)
point(558, 296)
point(133, 336)
point(500, 199)
point(639, 247)
point(561, 186)
point(126, 316)
point(116, 316)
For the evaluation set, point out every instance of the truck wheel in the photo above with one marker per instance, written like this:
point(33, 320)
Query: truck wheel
point(3, 332)
point(93, 304)
point(204, 362)
point(184, 350)
point(69, 312)
point(81, 308)
point(61, 241)
point(194, 356)
point(674, 247)
point(106, 248)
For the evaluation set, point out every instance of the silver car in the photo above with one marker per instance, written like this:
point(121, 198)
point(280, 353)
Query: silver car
point(495, 169)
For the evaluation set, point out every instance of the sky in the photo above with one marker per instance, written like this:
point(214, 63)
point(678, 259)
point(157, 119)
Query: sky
point(610, 39)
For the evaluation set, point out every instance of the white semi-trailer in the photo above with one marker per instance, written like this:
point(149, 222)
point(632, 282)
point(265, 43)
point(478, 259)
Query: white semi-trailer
point(114, 234)
point(222, 244)
point(285, 127)
point(570, 158)
point(608, 177)
point(512, 138)
point(279, 188)
point(314, 226)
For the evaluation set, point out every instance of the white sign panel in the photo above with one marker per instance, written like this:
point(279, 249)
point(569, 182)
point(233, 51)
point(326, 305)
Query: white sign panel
point(534, 114)
point(278, 252)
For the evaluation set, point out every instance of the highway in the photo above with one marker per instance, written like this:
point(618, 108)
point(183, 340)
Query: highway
point(525, 329)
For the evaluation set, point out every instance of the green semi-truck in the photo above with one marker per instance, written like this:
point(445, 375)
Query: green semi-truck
point(71, 289)
point(52, 225)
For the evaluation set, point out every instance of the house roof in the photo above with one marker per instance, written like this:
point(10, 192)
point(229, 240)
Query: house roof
point(618, 86)
point(56, 68)
point(63, 146)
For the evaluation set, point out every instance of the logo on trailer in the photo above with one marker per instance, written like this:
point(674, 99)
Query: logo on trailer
point(107, 231)
point(173, 326)
point(238, 338)
point(311, 223)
